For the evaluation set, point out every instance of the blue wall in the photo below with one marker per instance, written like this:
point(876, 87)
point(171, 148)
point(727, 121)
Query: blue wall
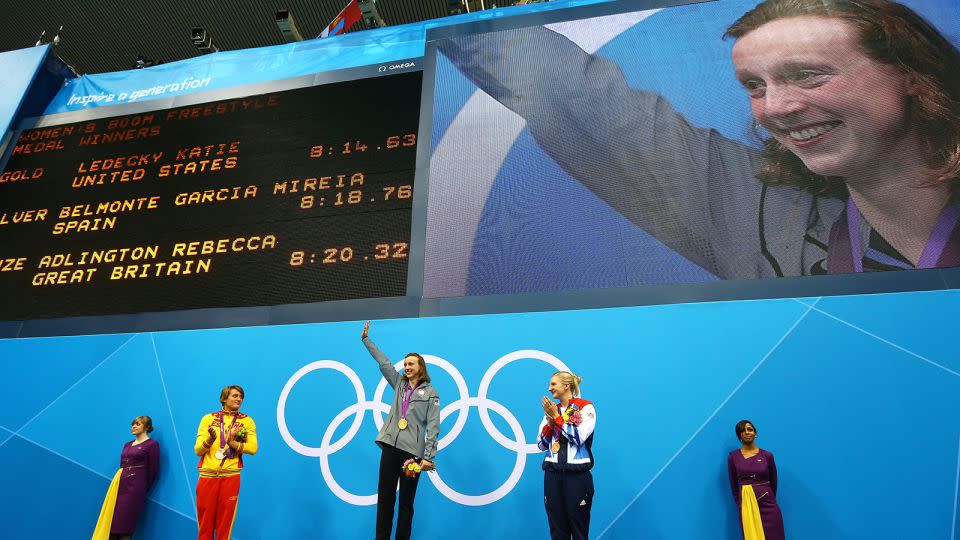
point(856, 396)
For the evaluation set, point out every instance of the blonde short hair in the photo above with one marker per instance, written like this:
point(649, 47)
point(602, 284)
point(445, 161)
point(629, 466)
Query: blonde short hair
point(569, 379)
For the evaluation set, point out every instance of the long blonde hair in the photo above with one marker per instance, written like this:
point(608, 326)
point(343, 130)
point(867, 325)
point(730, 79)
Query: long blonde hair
point(571, 380)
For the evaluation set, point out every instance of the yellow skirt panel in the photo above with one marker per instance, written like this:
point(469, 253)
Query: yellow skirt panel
point(750, 514)
point(102, 532)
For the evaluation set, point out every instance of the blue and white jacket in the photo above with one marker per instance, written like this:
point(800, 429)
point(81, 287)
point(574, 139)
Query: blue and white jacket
point(575, 441)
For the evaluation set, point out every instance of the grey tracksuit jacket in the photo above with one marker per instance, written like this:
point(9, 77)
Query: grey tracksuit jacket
point(423, 415)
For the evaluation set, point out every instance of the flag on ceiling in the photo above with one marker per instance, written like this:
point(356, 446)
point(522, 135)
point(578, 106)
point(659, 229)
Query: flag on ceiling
point(344, 20)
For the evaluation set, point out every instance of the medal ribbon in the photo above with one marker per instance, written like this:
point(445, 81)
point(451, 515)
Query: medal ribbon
point(223, 441)
point(405, 403)
point(556, 430)
point(946, 223)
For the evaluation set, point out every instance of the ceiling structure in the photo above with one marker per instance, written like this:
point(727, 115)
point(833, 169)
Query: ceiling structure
point(108, 35)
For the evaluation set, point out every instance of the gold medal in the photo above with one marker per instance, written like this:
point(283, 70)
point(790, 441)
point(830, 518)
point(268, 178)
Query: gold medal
point(555, 448)
point(402, 424)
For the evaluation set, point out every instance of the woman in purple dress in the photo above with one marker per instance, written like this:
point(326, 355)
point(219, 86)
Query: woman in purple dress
point(753, 480)
point(139, 463)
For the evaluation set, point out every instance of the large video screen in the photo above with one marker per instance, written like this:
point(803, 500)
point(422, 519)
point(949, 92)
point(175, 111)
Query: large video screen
point(705, 142)
point(296, 196)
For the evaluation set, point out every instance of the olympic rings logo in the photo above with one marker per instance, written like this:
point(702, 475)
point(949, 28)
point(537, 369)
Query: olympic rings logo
point(379, 408)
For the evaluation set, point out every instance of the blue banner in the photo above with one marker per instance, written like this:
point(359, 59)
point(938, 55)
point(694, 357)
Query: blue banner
point(233, 68)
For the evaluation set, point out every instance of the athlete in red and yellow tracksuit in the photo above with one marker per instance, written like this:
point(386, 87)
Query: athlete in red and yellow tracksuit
point(219, 484)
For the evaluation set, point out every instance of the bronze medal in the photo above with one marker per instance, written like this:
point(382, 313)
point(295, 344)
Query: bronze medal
point(555, 448)
point(402, 424)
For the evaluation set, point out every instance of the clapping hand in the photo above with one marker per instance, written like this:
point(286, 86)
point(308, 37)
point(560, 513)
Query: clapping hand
point(549, 409)
point(231, 433)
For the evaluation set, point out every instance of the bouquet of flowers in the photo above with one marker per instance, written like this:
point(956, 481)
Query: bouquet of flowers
point(241, 434)
point(572, 415)
point(411, 468)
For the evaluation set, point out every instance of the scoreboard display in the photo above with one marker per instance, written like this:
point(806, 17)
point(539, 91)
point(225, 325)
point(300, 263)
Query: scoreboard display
point(297, 196)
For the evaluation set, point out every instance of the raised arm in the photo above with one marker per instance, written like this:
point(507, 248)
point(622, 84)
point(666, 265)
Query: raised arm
point(679, 183)
point(386, 367)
